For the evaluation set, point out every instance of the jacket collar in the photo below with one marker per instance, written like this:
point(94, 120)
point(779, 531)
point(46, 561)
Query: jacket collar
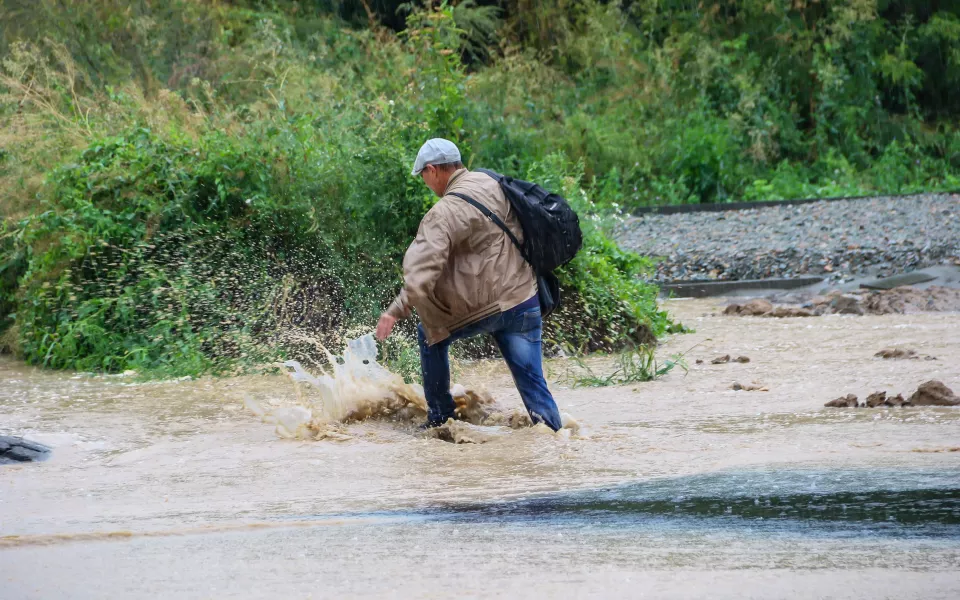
point(453, 178)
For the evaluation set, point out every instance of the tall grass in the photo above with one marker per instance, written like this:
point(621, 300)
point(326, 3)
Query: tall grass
point(226, 226)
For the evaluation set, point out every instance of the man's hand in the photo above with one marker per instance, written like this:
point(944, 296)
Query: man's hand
point(385, 326)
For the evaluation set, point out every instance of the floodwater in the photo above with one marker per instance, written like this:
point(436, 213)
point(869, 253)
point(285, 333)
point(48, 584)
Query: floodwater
point(678, 488)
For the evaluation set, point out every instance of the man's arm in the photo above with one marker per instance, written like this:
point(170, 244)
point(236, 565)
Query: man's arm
point(423, 265)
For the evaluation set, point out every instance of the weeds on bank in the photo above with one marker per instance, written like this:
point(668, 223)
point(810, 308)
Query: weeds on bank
point(635, 365)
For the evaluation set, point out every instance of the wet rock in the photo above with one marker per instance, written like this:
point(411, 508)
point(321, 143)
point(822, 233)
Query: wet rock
point(754, 387)
point(895, 401)
point(17, 449)
point(721, 360)
point(848, 401)
point(846, 305)
point(876, 399)
point(781, 312)
point(818, 301)
point(906, 300)
point(743, 359)
point(896, 353)
point(933, 393)
point(756, 307)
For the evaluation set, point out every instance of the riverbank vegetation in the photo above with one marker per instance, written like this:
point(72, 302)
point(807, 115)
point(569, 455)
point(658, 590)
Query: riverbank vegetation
point(194, 186)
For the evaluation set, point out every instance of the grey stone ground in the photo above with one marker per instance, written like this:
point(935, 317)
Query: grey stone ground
point(837, 240)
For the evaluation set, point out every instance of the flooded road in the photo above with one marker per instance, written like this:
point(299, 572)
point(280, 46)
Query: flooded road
point(676, 488)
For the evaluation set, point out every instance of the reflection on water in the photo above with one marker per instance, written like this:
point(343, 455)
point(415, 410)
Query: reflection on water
point(902, 502)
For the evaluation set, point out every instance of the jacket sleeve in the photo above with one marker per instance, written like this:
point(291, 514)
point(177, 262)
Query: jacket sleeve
point(426, 258)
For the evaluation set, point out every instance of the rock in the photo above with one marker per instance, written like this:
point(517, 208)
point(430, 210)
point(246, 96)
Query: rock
point(819, 301)
point(896, 353)
point(17, 449)
point(733, 309)
point(848, 401)
point(895, 401)
point(743, 359)
point(789, 311)
point(846, 305)
point(749, 387)
point(756, 307)
point(905, 300)
point(720, 360)
point(699, 361)
point(933, 393)
point(876, 399)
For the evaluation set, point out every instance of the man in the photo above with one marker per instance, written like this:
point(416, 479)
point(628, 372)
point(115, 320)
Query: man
point(465, 277)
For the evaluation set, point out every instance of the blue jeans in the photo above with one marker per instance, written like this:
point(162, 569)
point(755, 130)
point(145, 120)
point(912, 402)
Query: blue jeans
point(517, 333)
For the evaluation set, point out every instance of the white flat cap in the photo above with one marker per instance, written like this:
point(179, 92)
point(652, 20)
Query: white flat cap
point(437, 151)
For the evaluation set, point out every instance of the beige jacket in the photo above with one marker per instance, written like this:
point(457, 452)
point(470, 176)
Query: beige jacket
point(462, 267)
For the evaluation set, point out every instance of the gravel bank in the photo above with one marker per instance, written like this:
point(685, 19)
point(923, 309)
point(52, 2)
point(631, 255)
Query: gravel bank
point(837, 240)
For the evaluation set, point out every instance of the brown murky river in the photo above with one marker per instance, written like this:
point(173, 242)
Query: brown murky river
point(679, 488)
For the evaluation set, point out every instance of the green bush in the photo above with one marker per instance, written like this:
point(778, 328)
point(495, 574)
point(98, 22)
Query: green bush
point(190, 187)
point(270, 232)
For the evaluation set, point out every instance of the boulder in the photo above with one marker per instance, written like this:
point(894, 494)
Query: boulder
point(846, 305)
point(850, 400)
point(756, 307)
point(934, 393)
point(876, 399)
point(733, 309)
point(895, 401)
point(17, 449)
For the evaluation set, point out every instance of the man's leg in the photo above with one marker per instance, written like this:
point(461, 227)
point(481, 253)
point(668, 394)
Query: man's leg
point(435, 370)
point(520, 344)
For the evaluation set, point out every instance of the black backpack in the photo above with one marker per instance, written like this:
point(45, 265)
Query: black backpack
point(551, 232)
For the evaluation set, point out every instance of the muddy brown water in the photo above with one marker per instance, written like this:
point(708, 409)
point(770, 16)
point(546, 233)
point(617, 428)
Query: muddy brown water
point(673, 489)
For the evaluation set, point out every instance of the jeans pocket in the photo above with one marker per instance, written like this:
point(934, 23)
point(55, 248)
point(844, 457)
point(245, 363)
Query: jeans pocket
point(532, 328)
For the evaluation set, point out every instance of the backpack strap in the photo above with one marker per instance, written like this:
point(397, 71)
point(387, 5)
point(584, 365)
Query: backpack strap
point(489, 214)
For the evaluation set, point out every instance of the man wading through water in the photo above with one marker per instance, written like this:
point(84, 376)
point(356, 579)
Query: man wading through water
point(465, 277)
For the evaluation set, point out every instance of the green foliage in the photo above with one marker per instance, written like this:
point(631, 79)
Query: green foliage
point(252, 219)
point(634, 365)
point(191, 186)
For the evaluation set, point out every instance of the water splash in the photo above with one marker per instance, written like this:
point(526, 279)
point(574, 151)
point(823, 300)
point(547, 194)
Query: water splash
point(355, 388)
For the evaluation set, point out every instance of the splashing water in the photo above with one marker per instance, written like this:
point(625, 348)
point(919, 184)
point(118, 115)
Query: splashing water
point(356, 388)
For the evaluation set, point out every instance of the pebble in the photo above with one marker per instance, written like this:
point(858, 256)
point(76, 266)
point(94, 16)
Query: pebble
point(836, 240)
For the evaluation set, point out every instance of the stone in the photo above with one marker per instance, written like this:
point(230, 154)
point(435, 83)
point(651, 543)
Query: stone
point(750, 387)
point(789, 311)
point(743, 359)
point(17, 449)
point(847, 305)
point(848, 401)
point(896, 353)
point(933, 393)
point(720, 360)
point(876, 399)
point(756, 307)
point(819, 301)
point(895, 401)
point(733, 309)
